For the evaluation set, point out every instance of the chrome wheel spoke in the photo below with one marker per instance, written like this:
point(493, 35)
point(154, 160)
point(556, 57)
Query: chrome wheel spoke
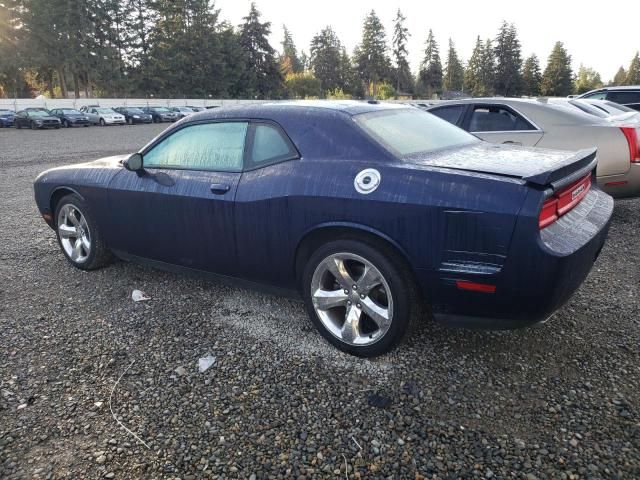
point(350, 330)
point(76, 251)
point(369, 279)
point(86, 244)
point(339, 270)
point(377, 313)
point(327, 299)
point(67, 231)
point(72, 216)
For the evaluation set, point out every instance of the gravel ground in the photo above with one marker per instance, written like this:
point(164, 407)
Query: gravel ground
point(557, 401)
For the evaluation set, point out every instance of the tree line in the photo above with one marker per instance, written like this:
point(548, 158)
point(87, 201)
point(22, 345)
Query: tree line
point(175, 48)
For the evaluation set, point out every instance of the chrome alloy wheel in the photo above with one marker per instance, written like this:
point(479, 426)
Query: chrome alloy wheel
point(74, 233)
point(352, 299)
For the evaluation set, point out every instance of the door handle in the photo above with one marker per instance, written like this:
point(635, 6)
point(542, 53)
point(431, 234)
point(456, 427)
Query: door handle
point(219, 188)
point(509, 142)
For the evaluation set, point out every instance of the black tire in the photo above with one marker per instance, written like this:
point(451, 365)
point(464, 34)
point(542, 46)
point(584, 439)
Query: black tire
point(102, 122)
point(57, 127)
point(34, 126)
point(130, 121)
point(407, 307)
point(66, 124)
point(99, 255)
point(18, 126)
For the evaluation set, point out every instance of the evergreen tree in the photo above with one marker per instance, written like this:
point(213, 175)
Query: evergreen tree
point(372, 61)
point(325, 59)
point(430, 74)
point(531, 76)
point(290, 53)
point(586, 80)
point(487, 71)
point(633, 74)
point(472, 74)
point(620, 77)
point(261, 76)
point(453, 78)
point(508, 61)
point(557, 79)
point(403, 77)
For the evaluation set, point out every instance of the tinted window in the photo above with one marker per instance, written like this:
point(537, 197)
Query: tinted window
point(596, 96)
point(497, 119)
point(269, 145)
point(407, 131)
point(451, 114)
point(624, 97)
point(212, 146)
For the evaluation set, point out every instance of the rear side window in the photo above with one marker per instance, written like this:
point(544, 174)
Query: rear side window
point(212, 146)
point(596, 96)
point(451, 114)
point(497, 119)
point(408, 131)
point(624, 97)
point(268, 145)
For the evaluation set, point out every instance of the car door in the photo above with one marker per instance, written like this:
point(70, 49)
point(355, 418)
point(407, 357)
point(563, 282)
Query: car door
point(92, 115)
point(179, 210)
point(497, 123)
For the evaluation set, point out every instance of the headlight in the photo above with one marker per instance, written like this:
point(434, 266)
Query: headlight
point(136, 116)
point(38, 121)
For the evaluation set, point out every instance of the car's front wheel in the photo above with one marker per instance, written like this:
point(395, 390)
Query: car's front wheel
point(360, 296)
point(102, 122)
point(66, 124)
point(79, 235)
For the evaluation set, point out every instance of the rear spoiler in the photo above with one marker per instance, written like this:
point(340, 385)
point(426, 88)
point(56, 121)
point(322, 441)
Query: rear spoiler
point(573, 168)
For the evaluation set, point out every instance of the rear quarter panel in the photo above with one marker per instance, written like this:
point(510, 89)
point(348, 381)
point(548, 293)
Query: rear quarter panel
point(434, 217)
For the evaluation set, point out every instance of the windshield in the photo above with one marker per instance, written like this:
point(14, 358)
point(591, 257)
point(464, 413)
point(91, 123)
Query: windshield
point(6, 112)
point(38, 113)
point(70, 111)
point(160, 109)
point(134, 110)
point(408, 131)
point(104, 110)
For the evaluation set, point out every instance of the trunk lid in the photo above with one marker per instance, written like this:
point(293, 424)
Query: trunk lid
point(537, 166)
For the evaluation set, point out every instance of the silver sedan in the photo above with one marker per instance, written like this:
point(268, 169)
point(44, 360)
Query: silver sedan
point(540, 123)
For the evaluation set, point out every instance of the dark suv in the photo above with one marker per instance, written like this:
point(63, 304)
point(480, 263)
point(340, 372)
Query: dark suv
point(627, 96)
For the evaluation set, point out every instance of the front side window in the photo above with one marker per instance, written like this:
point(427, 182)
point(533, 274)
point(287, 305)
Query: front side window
point(269, 145)
point(211, 146)
point(497, 119)
point(409, 130)
point(451, 114)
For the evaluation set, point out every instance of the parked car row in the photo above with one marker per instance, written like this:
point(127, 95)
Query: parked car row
point(38, 118)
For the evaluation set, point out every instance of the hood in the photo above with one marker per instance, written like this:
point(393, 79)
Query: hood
point(535, 165)
point(109, 162)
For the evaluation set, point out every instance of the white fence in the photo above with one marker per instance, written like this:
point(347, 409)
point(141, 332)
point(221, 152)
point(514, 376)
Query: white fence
point(50, 103)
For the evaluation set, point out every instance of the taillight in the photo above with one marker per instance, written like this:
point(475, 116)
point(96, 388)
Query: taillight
point(563, 201)
point(632, 134)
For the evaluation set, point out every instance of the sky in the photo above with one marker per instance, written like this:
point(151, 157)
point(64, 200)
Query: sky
point(592, 35)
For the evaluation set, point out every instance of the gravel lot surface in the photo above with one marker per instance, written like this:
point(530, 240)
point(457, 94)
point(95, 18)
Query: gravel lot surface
point(558, 401)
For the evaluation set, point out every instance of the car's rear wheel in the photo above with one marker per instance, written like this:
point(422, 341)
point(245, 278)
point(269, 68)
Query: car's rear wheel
point(79, 235)
point(130, 121)
point(360, 296)
point(34, 126)
point(66, 124)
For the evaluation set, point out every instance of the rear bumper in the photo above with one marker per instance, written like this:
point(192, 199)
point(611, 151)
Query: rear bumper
point(538, 276)
point(622, 186)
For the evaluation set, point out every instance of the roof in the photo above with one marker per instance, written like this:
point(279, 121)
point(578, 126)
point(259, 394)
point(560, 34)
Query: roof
point(320, 107)
point(616, 87)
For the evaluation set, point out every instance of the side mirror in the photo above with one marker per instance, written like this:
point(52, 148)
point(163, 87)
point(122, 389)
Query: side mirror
point(133, 163)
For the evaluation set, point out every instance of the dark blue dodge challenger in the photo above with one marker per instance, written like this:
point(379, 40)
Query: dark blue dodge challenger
point(375, 214)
